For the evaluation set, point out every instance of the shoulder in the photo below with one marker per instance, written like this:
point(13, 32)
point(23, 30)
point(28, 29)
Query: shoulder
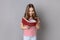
point(23, 18)
point(37, 18)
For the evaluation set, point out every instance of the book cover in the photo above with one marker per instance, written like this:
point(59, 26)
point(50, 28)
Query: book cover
point(26, 22)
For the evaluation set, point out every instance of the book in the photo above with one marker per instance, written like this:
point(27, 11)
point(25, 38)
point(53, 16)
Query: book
point(26, 22)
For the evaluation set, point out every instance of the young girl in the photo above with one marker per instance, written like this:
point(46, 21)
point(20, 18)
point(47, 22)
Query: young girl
point(31, 16)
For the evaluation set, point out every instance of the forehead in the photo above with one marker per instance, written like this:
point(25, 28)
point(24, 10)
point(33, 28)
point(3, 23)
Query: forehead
point(30, 8)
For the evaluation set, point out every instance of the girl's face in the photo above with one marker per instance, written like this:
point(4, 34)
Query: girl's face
point(31, 11)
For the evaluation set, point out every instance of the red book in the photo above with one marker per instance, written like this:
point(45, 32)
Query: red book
point(26, 22)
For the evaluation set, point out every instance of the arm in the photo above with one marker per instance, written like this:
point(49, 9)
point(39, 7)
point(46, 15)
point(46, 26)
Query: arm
point(38, 24)
point(23, 27)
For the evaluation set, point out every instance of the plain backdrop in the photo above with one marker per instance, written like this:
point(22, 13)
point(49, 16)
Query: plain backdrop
point(11, 12)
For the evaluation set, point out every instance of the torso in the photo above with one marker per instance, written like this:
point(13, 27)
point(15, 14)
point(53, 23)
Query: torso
point(32, 31)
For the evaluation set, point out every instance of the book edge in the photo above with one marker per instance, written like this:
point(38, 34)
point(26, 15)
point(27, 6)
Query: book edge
point(25, 19)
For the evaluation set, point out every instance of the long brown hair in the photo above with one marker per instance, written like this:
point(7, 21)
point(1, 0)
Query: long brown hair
point(26, 15)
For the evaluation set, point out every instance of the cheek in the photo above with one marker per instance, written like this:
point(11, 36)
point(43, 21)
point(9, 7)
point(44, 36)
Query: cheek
point(32, 12)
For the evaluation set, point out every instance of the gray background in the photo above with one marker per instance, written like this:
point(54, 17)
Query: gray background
point(11, 12)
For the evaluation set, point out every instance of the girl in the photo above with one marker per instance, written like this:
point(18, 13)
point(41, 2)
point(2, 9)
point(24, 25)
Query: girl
point(30, 31)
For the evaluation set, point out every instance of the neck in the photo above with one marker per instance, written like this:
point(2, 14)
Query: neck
point(30, 16)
